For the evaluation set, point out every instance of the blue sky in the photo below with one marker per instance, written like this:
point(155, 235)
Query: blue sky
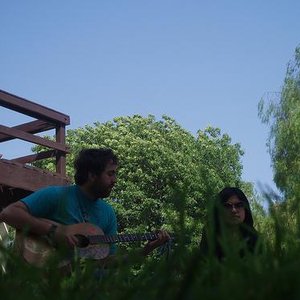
point(200, 62)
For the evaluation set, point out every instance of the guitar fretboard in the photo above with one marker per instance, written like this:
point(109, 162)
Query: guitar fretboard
point(122, 238)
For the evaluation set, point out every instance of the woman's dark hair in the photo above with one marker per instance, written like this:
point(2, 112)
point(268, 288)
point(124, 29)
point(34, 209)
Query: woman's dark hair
point(227, 193)
point(215, 222)
point(92, 161)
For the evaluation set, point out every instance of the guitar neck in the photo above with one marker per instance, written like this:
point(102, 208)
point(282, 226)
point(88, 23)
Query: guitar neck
point(122, 238)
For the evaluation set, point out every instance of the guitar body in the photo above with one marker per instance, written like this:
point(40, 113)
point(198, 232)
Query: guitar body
point(95, 251)
point(33, 249)
point(36, 249)
point(92, 243)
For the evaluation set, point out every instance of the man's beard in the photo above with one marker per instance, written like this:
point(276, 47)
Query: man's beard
point(102, 192)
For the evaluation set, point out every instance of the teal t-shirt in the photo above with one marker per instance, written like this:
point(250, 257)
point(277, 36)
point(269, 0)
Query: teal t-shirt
point(68, 205)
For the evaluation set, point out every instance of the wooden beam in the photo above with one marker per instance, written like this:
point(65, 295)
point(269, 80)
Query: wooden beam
point(32, 109)
point(34, 157)
point(29, 178)
point(33, 138)
point(61, 157)
point(30, 127)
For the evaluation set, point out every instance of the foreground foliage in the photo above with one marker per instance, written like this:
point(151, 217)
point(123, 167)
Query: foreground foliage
point(273, 273)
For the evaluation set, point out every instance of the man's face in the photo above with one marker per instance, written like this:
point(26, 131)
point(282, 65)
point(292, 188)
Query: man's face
point(103, 183)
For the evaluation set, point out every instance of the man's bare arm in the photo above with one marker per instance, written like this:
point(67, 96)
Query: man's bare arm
point(17, 216)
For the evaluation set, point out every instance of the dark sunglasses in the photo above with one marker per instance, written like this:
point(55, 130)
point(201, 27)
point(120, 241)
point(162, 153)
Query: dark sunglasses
point(231, 206)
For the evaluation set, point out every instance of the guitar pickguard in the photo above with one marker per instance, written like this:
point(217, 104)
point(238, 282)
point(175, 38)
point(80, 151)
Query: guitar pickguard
point(93, 252)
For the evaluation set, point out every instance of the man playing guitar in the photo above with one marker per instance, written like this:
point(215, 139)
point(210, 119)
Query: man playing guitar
point(53, 211)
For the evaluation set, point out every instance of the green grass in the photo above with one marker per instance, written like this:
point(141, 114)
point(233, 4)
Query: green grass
point(273, 274)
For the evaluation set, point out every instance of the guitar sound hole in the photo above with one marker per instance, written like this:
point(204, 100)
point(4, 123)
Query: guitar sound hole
point(83, 241)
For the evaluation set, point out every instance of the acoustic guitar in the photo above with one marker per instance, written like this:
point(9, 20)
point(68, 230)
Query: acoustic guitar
point(92, 243)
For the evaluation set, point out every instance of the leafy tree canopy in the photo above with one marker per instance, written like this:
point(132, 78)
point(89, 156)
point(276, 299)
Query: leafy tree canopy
point(283, 116)
point(166, 175)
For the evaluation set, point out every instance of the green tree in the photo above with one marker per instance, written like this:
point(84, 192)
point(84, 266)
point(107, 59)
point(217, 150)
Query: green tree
point(283, 116)
point(166, 175)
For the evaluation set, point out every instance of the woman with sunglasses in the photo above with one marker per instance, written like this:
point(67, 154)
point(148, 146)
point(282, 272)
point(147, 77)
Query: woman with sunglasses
point(229, 230)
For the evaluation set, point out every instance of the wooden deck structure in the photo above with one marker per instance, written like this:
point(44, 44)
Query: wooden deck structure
point(18, 177)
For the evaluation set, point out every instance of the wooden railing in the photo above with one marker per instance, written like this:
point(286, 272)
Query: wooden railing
point(18, 172)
